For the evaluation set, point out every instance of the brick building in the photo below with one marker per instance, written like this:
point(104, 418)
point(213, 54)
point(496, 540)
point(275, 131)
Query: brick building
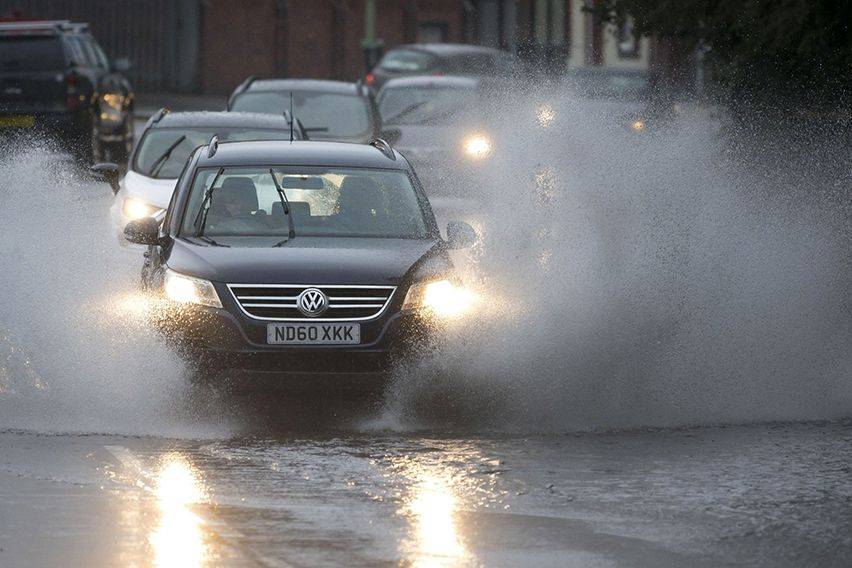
point(210, 46)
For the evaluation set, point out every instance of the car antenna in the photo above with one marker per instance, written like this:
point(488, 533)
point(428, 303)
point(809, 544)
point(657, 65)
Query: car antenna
point(291, 117)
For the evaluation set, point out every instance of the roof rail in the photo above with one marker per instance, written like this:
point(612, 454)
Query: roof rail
point(383, 147)
point(156, 117)
point(247, 83)
point(42, 25)
point(212, 146)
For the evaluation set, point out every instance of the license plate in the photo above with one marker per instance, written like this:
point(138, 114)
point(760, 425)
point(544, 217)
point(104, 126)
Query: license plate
point(313, 333)
point(17, 121)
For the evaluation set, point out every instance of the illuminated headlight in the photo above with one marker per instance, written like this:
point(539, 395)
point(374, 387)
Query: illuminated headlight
point(439, 297)
point(477, 147)
point(189, 290)
point(135, 209)
point(638, 125)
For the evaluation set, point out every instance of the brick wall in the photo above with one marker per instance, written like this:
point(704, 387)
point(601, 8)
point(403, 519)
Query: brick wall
point(302, 38)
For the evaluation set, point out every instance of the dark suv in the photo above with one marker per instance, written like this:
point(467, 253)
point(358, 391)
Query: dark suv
point(56, 79)
point(306, 259)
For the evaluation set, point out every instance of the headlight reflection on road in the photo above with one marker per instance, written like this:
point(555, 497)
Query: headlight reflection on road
point(435, 540)
point(178, 540)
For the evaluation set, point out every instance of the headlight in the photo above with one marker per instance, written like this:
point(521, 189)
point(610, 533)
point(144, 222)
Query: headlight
point(638, 125)
point(189, 290)
point(477, 147)
point(440, 297)
point(136, 209)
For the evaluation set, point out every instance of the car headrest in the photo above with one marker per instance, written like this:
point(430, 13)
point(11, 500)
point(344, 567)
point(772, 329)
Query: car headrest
point(300, 209)
point(360, 192)
point(239, 190)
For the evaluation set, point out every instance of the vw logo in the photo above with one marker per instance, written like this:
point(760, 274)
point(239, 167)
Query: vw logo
point(312, 302)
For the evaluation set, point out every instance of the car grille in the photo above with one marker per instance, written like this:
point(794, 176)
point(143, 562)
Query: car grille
point(278, 301)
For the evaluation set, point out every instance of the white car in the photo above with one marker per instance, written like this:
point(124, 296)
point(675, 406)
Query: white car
point(167, 141)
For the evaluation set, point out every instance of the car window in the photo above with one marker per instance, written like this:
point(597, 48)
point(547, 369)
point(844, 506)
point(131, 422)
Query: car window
point(407, 61)
point(32, 53)
point(79, 56)
point(419, 105)
point(610, 85)
point(91, 53)
point(352, 202)
point(163, 151)
point(103, 60)
point(325, 116)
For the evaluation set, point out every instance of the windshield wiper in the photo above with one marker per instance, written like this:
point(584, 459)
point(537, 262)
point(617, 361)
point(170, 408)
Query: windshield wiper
point(159, 162)
point(407, 110)
point(285, 203)
point(201, 219)
point(210, 241)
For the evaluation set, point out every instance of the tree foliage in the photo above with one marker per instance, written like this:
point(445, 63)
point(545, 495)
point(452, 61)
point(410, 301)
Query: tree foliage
point(783, 49)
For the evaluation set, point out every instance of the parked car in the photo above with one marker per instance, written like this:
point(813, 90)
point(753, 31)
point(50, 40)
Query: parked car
point(56, 79)
point(329, 110)
point(442, 59)
point(306, 263)
point(167, 141)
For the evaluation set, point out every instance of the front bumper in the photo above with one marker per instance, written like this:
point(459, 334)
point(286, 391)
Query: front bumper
point(218, 340)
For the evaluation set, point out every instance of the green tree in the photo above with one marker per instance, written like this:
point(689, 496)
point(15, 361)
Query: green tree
point(769, 51)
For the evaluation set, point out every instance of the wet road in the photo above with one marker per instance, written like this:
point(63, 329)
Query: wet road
point(777, 495)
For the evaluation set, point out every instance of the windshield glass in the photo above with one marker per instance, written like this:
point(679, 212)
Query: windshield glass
point(244, 202)
point(406, 61)
point(31, 53)
point(417, 105)
point(163, 151)
point(325, 116)
point(632, 86)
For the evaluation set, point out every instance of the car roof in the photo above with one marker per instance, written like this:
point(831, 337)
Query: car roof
point(299, 153)
point(447, 49)
point(327, 86)
point(433, 81)
point(205, 119)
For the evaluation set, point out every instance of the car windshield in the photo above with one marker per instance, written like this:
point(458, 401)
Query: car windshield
point(406, 61)
point(418, 105)
point(631, 86)
point(244, 202)
point(325, 116)
point(32, 53)
point(163, 151)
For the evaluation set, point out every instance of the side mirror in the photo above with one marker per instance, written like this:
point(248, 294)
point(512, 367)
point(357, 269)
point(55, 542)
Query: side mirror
point(121, 65)
point(460, 235)
point(107, 172)
point(144, 231)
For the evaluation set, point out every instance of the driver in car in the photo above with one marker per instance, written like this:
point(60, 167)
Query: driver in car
point(234, 207)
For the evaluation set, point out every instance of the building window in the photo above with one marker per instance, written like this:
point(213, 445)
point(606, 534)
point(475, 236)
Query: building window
point(628, 42)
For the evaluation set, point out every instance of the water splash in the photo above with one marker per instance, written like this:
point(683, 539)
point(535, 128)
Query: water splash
point(74, 353)
point(677, 277)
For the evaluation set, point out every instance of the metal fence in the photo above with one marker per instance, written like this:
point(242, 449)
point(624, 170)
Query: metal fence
point(160, 37)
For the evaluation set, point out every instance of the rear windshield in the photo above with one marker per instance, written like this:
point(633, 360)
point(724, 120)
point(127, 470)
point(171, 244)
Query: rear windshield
point(31, 53)
point(479, 64)
point(325, 116)
point(406, 61)
point(163, 151)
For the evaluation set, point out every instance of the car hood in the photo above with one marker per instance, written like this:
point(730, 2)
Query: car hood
point(156, 192)
point(304, 260)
